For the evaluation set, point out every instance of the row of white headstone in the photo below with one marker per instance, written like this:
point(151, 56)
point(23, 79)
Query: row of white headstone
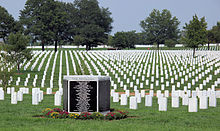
point(37, 95)
point(172, 79)
point(117, 63)
point(205, 98)
point(15, 96)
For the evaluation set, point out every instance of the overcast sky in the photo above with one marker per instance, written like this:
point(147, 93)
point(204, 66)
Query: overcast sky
point(127, 14)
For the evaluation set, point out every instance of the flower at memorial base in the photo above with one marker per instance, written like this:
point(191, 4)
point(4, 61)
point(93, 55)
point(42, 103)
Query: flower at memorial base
point(110, 116)
point(97, 115)
point(63, 114)
point(57, 110)
point(118, 116)
point(73, 116)
point(123, 113)
point(46, 110)
point(48, 114)
point(54, 115)
point(85, 116)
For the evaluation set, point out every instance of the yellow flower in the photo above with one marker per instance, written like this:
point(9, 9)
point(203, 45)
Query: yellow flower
point(47, 109)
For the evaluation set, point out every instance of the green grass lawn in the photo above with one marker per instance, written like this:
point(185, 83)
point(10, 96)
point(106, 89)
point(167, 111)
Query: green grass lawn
point(21, 117)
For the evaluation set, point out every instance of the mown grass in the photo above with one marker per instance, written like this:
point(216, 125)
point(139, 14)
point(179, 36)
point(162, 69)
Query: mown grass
point(20, 117)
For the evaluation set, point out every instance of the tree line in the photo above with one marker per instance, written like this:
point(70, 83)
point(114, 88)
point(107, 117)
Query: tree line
point(160, 27)
point(84, 22)
point(51, 22)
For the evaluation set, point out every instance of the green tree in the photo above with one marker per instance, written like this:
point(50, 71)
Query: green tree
point(211, 38)
point(119, 40)
point(5, 61)
point(195, 33)
point(7, 23)
point(216, 32)
point(78, 40)
point(93, 22)
point(17, 48)
point(123, 40)
point(170, 43)
point(45, 20)
point(160, 26)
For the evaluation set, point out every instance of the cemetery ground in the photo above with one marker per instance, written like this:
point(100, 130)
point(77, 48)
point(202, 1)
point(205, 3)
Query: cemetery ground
point(22, 117)
point(129, 70)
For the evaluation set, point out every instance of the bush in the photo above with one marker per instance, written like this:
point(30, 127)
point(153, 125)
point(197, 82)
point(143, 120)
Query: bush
point(63, 114)
point(110, 116)
point(73, 116)
point(97, 115)
point(85, 116)
point(48, 113)
point(170, 43)
point(54, 115)
point(123, 113)
point(118, 116)
point(58, 113)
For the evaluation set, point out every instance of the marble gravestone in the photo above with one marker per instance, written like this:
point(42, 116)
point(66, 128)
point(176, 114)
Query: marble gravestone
point(86, 94)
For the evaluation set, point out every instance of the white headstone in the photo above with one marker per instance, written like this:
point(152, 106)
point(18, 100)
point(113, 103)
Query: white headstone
point(194, 94)
point(41, 96)
point(138, 98)
point(148, 100)
point(20, 96)
point(158, 93)
point(49, 91)
point(162, 104)
point(124, 99)
point(193, 105)
point(185, 100)
point(133, 102)
point(175, 101)
point(116, 97)
point(57, 99)
point(112, 92)
point(151, 93)
point(14, 98)
point(2, 96)
point(166, 93)
point(8, 90)
point(203, 102)
point(212, 100)
point(142, 93)
point(35, 98)
point(127, 92)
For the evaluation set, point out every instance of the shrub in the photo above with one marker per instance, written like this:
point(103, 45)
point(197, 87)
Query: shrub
point(57, 110)
point(118, 116)
point(123, 113)
point(48, 114)
point(97, 115)
point(110, 116)
point(73, 116)
point(85, 116)
point(46, 110)
point(58, 113)
point(54, 115)
point(63, 114)
point(170, 43)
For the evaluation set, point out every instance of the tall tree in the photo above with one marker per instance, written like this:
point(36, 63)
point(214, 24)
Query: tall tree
point(160, 26)
point(44, 20)
point(94, 23)
point(211, 38)
point(216, 32)
point(17, 48)
point(5, 74)
point(124, 40)
point(7, 23)
point(195, 33)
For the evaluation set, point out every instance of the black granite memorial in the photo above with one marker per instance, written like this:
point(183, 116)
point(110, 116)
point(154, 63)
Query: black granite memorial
point(86, 94)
